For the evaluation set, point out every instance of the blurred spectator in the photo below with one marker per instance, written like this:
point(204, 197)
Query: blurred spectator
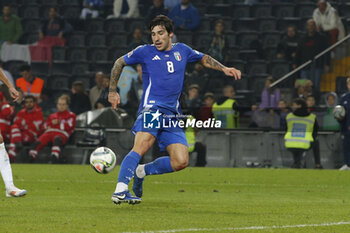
point(96, 90)
point(125, 9)
point(102, 101)
point(29, 84)
point(287, 48)
point(205, 112)
point(10, 26)
point(219, 44)
point(265, 115)
point(327, 20)
point(46, 103)
point(269, 96)
point(185, 16)
point(169, 4)
point(310, 45)
point(345, 127)
point(124, 84)
point(329, 122)
point(137, 85)
point(283, 110)
point(302, 128)
point(155, 10)
point(136, 39)
point(91, 9)
point(303, 88)
point(198, 76)
point(50, 34)
point(26, 127)
point(7, 74)
point(59, 127)
point(311, 103)
point(193, 100)
point(7, 112)
point(79, 99)
point(54, 26)
point(225, 109)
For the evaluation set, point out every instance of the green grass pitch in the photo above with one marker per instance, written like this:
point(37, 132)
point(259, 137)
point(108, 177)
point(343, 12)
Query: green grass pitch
point(74, 198)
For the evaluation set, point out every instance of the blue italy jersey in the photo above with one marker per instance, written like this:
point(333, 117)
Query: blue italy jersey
point(163, 75)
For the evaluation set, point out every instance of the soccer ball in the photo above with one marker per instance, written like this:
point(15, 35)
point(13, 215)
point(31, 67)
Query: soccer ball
point(339, 112)
point(103, 160)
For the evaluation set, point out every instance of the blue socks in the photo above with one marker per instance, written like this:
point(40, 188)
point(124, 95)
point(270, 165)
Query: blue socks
point(159, 166)
point(128, 166)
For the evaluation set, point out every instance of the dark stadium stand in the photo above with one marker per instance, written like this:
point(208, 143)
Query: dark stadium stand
point(77, 54)
point(41, 68)
point(76, 39)
point(80, 67)
point(104, 66)
point(283, 10)
point(61, 68)
point(98, 54)
point(96, 39)
point(94, 25)
point(257, 67)
point(31, 25)
point(117, 40)
point(59, 53)
point(261, 10)
point(59, 82)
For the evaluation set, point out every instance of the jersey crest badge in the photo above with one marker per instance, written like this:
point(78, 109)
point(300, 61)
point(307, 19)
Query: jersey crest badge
point(177, 56)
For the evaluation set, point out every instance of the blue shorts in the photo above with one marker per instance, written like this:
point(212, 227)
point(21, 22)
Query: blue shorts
point(164, 135)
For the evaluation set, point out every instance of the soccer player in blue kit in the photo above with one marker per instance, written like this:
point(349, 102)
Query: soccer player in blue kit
point(163, 70)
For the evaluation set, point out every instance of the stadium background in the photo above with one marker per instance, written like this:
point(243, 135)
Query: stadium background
point(94, 44)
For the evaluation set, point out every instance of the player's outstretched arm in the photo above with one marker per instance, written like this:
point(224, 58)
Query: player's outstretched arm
point(113, 96)
point(13, 92)
point(209, 62)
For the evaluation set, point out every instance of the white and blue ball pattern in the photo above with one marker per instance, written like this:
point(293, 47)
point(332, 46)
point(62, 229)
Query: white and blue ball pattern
point(103, 160)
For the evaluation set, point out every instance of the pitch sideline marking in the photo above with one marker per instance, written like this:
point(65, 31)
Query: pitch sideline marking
point(246, 228)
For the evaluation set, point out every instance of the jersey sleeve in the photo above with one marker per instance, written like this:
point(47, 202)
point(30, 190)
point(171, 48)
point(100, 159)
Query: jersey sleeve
point(193, 55)
point(135, 56)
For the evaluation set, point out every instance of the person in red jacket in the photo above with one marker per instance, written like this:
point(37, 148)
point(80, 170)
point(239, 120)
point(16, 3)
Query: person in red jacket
point(27, 125)
point(7, 112)
point(59, 126)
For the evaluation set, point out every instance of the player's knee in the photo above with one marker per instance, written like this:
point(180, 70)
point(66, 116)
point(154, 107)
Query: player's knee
point(57, 141)
point(179, 163)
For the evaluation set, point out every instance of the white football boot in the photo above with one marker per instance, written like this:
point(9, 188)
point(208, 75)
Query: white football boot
point(15, 192)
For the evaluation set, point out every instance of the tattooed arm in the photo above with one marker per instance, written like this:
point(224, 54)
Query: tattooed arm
point(115, 74)
point(209, 62)
point(113, 96)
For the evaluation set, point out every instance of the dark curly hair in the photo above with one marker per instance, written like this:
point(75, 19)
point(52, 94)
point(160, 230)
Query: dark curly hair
point(162, 20)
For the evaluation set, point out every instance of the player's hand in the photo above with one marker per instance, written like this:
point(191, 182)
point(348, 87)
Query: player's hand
point(114, 99)
point(14, 94)
point(232, 72)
